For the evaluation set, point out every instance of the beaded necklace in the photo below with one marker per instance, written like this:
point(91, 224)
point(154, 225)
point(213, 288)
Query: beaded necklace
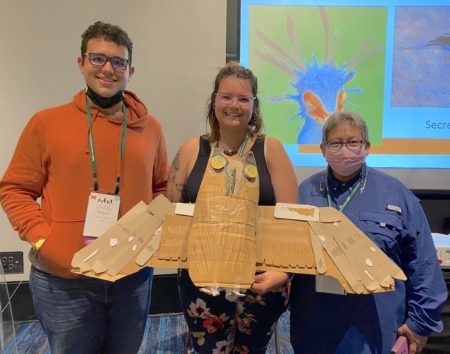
point(231, 152)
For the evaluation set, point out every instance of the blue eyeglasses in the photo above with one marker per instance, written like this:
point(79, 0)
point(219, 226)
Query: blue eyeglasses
point(99, 59)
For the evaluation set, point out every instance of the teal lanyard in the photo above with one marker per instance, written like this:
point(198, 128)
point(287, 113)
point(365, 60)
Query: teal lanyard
point(243, 145)
point(92, 151)
point(349, 198)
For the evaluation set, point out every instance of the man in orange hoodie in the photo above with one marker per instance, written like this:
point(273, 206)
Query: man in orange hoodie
point(104, 145)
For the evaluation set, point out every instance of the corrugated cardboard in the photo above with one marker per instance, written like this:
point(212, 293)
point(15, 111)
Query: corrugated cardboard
point(109, 255)
point(229, 238)
point(222, 237)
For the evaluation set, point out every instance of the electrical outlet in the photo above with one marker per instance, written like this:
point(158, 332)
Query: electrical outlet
point(12, 262)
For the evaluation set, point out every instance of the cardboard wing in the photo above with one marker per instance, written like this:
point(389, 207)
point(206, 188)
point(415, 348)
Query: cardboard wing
point(292, 239)
point(133, 237)
point(289, 237)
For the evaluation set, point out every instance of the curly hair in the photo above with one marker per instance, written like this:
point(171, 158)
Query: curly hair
point(108, 32)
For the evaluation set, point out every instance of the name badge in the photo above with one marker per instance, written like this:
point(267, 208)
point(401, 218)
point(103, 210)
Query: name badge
point(102, 212)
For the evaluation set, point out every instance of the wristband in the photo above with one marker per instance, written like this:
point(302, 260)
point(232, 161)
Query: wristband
point(38, 244)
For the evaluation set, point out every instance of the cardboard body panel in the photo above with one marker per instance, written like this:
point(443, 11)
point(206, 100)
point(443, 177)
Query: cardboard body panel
point(222, 237)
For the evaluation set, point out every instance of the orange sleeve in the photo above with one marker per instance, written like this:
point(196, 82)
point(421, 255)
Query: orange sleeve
point(23, 181)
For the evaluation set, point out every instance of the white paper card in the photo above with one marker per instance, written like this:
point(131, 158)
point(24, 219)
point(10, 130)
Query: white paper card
point(102, 212)
point(301, 212)
point(186, 209)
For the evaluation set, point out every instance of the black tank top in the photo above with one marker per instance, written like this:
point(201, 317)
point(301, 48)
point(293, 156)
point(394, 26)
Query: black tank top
point(266, 193)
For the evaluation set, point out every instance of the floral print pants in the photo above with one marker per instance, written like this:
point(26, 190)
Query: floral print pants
point(217, 325)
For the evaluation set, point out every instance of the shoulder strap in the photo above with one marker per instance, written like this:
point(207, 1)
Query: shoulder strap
point(266, 192)
point(205, 147)
point(195, 177)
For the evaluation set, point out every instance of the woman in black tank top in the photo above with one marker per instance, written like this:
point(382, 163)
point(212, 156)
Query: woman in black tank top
point(215, 323)
point(266, 194)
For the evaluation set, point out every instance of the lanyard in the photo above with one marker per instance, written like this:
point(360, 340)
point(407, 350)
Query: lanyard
point(349, 198)
point(92, 151)
point(243, 145)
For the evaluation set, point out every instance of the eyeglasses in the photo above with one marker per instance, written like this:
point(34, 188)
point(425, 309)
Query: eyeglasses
point(242, 101)
point(353, 145)
point(99, 59)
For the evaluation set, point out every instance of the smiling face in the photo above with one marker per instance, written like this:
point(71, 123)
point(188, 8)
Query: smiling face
point(104, 80)
point(233, 114)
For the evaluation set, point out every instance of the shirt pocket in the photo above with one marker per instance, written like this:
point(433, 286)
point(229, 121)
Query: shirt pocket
point(383, 228)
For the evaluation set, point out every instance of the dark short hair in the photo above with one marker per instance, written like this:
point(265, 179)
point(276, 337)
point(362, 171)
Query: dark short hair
point(108, 32)
point(236, 70)
point(353, 118)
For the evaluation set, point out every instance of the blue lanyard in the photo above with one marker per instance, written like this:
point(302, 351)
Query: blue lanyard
point(347, 200)
point(92, 151)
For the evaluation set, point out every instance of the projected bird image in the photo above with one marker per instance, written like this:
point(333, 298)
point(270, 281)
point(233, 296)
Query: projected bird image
point(318, 87)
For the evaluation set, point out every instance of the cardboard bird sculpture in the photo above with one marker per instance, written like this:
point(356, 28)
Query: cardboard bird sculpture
point(226, 237)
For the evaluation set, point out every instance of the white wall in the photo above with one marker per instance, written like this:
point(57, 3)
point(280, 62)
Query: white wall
point(178, 46)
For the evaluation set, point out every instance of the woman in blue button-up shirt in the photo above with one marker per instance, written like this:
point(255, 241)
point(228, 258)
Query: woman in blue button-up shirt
point(386, 211)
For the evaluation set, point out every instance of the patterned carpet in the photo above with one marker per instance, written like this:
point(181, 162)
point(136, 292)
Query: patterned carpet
point(164, 334)
point(168, 334)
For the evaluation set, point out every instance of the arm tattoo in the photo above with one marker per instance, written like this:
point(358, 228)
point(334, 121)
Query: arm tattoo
point(174, 186)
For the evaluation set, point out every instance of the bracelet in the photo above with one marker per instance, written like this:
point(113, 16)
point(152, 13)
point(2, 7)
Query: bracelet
point(38, 244)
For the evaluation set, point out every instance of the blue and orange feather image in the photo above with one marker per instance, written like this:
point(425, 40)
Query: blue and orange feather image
point(319, 70)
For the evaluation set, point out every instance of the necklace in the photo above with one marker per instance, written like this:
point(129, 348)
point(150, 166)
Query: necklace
point(229, 152)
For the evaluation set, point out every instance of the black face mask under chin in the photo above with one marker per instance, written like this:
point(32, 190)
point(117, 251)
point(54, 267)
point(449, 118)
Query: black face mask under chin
point(104, 102)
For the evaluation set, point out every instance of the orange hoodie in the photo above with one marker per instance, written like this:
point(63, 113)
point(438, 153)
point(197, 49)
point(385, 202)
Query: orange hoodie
point(52, 161)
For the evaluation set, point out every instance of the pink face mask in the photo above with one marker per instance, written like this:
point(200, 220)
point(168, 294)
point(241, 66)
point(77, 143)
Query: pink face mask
point(344, 161)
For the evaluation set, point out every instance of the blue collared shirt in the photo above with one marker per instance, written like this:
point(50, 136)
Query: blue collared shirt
point(389, 213)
